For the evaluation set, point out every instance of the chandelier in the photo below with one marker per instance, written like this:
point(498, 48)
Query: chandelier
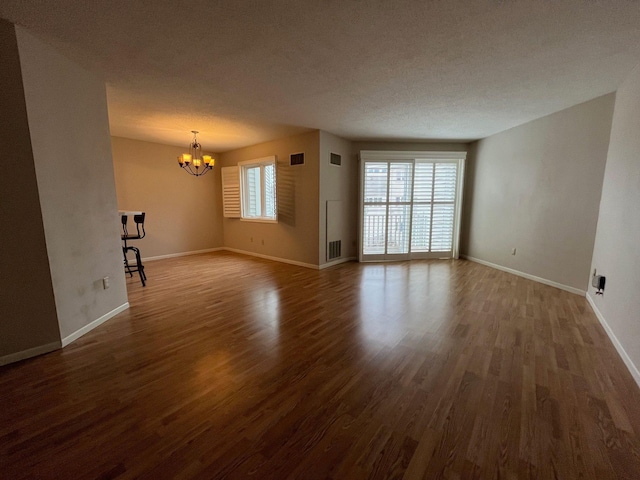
point(195, 159)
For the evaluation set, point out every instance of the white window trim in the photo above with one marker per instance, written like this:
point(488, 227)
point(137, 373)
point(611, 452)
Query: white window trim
point(258, 162)
point(400, 156)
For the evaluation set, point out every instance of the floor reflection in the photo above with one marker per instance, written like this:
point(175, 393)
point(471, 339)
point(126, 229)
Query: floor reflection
point(395, 298)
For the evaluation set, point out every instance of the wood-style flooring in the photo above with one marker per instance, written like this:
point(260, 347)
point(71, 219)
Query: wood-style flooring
point(227, 366)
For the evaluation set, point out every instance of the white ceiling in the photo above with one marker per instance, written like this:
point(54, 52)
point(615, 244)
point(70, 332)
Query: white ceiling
point(243, 72)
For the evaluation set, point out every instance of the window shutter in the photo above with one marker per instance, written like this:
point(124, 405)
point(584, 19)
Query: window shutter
point(410, 204)
point(270, 190)
point(253, 195)
point(444, 196)
point(231, 191)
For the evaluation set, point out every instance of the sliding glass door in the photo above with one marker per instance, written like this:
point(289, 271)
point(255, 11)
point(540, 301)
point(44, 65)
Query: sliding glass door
point(410, 205)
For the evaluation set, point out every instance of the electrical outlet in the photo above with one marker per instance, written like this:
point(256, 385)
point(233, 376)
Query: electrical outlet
point(105, 283)
point(513, 251)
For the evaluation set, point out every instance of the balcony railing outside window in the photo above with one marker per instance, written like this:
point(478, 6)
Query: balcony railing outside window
point(408, 207)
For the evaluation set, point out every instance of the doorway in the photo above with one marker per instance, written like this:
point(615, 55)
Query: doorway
point(410, 204)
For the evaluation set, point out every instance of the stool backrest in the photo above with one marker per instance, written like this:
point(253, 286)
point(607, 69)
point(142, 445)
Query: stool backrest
point(139, 219)
point(124, 219)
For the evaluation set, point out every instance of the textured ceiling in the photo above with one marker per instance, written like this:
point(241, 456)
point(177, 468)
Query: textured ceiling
point(243, 72)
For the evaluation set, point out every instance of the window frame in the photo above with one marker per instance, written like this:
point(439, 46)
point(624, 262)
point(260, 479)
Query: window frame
point(261, 163)
point(414, 157)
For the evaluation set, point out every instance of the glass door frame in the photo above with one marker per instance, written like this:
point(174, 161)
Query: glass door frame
point(414, 157)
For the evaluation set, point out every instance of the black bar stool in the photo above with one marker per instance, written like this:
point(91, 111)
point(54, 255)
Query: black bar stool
point(126, 236)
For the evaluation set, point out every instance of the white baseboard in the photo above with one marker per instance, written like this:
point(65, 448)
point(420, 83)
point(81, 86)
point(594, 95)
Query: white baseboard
point(551, 283)
point(336, 262)
point(635, 373)
point(96, 323)
point(31, 352)
point(49, 347)
point(275, 259)
point(181, 254)
point(252, 254)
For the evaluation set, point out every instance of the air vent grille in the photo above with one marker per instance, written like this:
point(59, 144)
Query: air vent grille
point(296, 159)
point(335, 249)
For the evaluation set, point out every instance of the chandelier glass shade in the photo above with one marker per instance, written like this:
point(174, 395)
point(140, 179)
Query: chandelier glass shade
point(194, 163)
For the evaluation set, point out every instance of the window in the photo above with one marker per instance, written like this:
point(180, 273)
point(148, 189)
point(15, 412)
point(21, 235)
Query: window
point(410, 204)
point(258, 189)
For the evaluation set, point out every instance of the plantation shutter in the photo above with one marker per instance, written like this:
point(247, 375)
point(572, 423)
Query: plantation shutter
point(422, 201)
point(231, 191)
point(253, 194)
point(410, 205)
point(444, 199)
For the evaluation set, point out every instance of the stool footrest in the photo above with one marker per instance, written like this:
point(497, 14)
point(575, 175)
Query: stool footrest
point(138, 267)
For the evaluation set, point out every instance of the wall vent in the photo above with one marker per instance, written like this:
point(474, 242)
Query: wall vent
point(335, 249)
point(296, 159)
point(335, 159)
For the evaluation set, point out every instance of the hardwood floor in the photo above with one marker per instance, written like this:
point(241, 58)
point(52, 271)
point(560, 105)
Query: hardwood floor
point(228, 366)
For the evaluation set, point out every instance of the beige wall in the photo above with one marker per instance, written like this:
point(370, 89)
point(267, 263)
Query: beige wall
point(617, 249)
point(183, 213)
point(295, 236)
point(537, 188)
point(68, 123)
point(338, 183)
point(28, 319)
